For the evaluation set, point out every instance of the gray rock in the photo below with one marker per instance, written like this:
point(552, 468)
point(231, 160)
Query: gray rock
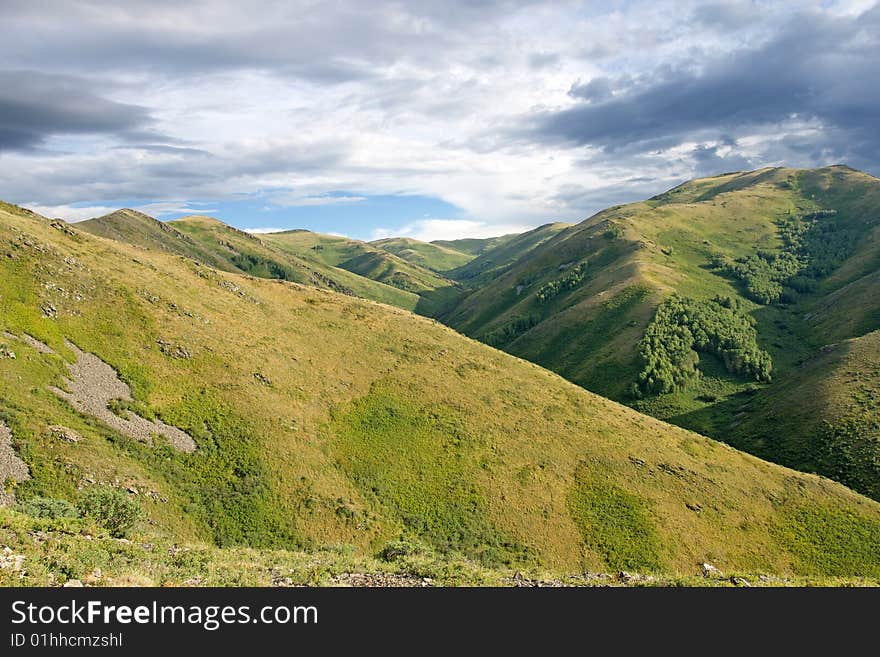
point(709, 570)
point(63, 433)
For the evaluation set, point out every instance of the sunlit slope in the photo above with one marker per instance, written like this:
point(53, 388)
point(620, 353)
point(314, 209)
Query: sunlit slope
point(474, 245)
point(142, 230)
point(258, 255)
point(429, 255)
point(323, 419)
point(495, 256)
point(823, 417)
point(796, 253)
point(434, 291)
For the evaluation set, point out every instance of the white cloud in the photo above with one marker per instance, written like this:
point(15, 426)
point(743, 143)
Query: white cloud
point(378, 99)
point(428, 230)
point(73, 214)
point(288, 200)
point(69, 213)
point(265, 229)
point(164, 208)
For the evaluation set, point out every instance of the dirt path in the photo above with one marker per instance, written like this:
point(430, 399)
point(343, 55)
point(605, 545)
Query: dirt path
point(91, 388)
point(11, 466)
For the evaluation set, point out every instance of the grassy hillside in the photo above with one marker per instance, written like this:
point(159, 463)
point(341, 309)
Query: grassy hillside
point(789, 258)
point(329, 249)
point(497, 255)
point(326, 421)
point(142, 230)
point(823, 417)
point(431, 256)
point(473, 245)
point(223, 247)
point(432, 291)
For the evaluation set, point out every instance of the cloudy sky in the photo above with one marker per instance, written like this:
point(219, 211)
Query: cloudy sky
point(429, 119)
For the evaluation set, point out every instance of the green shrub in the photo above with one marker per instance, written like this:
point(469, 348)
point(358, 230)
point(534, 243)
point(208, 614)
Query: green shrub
point(111, 508)
point(683, 328)
point(570, 280)
point(812, 247)
point(613, 232)
point(398, 549)
point(48, 507)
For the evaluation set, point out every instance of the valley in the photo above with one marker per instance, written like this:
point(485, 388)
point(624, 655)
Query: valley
point(475, 408)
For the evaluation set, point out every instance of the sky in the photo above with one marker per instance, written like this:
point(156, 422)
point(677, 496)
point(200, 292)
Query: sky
point(434, 120)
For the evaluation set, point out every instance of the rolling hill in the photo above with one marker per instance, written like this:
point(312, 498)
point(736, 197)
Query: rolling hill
point(429, 255)
point(434, 291)
point(474, 246)
point(689, 304)
point(142, 230)
point(214, 243)
point(324, 422)
point(497, 255)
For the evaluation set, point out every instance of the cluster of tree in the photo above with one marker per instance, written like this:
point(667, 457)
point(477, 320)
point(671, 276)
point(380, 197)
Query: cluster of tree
point(811, 249)
point(572, 278)
point(510, 331)
point(683, 328)
point(261, 267)
point(765, 273)
point(613, 232)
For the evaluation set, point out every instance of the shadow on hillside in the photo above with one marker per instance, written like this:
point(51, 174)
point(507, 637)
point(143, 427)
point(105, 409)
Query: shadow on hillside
point(440, 301)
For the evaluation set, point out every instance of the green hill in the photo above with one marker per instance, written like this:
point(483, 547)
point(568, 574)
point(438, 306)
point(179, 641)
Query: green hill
point(767, 268)
point(474, 246)
point(823, 417)
point(326, 423)
point(329, 249)
point(142, 230)
point(429, 255)
point(496, 256)
point(434, 292)
point(214, 243)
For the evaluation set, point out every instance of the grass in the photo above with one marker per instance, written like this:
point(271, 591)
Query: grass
point(420, 466)
point(375, 425)
point(667, 245)
point(424, 254)
point(58, 551)
point(830, 541)
point(616, 523)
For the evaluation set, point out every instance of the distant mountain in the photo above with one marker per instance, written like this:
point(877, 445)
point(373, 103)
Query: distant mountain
point(429, 255)
point(214, 243)
point(474, 246)
point(497, 255)
point(326, 423)
point(142, 230)
point(435, 292)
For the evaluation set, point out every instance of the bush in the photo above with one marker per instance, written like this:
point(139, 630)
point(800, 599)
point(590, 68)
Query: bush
point(811, 249)
point(48, 507)
point(572, 279)
point(683, 328)
point(397, 549)
point(111, 508)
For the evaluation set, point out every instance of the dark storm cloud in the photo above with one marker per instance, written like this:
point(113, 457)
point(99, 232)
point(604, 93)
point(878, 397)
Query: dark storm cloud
point(817, 68)
point(729, 15)
point(34, 106)
point(321, 42)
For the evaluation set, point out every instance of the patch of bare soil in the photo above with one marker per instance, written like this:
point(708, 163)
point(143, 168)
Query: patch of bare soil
point(12, 468)
point(93, 384)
